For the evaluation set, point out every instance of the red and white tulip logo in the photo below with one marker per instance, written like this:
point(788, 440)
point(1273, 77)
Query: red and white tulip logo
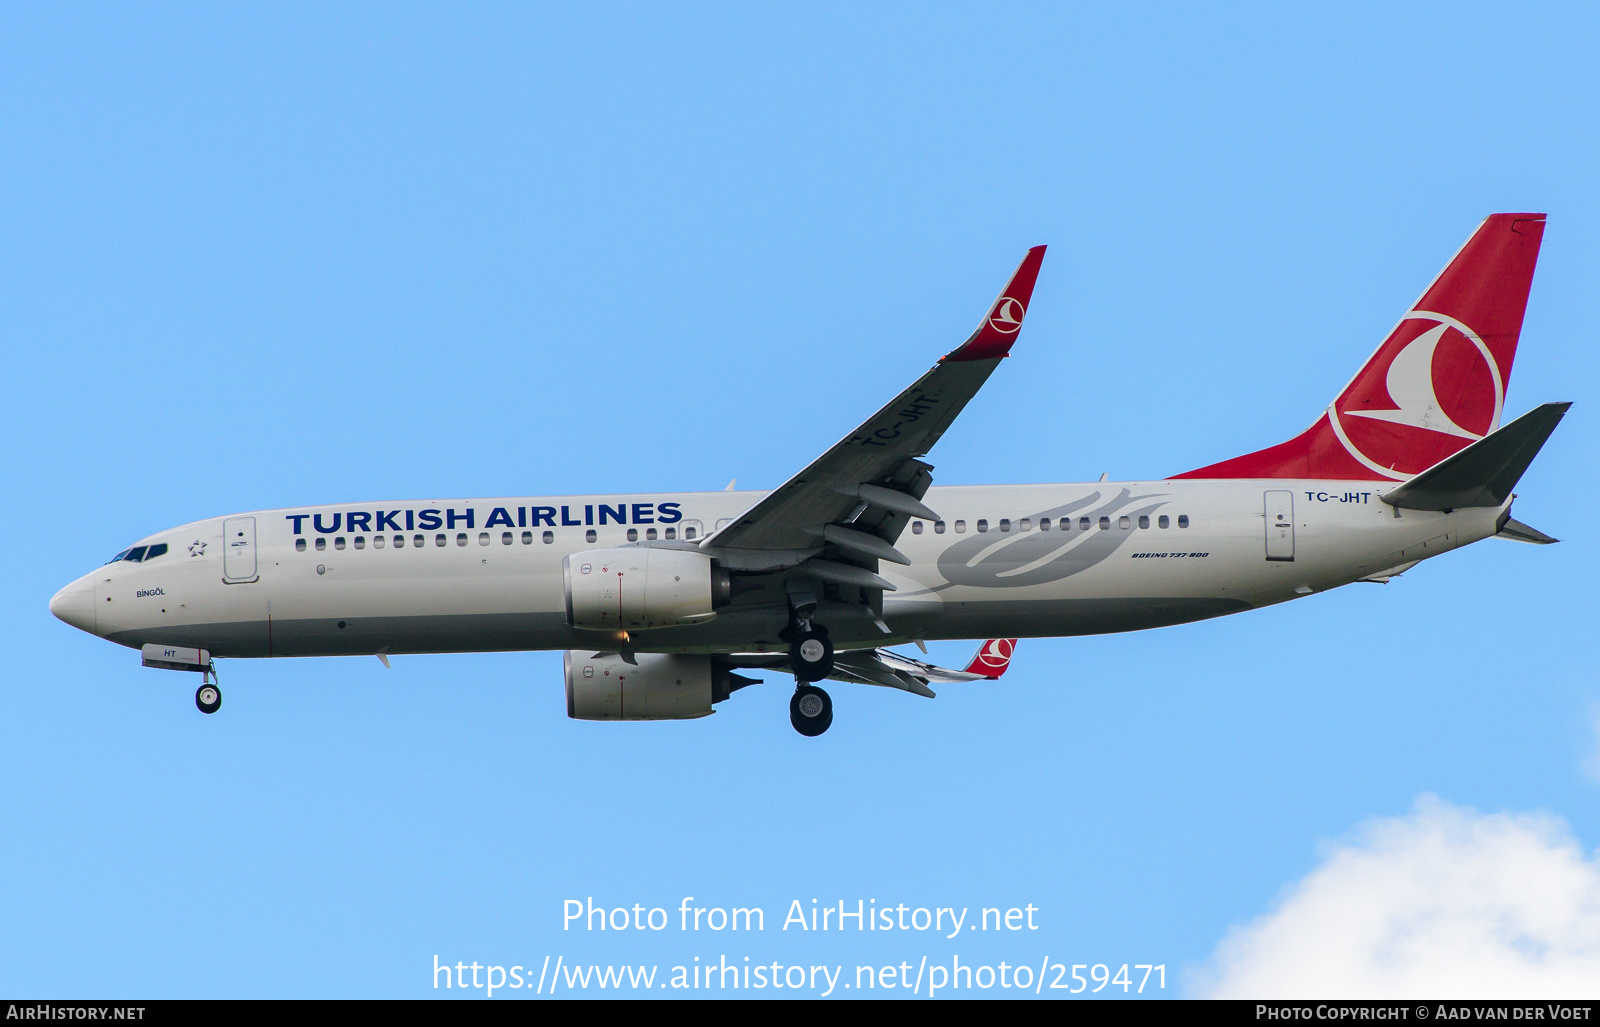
point(997, 654)
point(1440, 391)
point(1007, 315)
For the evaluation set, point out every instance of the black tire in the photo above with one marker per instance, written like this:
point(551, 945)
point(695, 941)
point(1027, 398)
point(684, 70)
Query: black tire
point(810, 710)
point(811, 656)
point(209, 698)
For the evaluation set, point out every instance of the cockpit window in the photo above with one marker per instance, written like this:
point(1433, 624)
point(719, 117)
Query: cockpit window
point(140, 553)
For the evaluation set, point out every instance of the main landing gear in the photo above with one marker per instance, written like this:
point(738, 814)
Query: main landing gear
point(810, 710)
point(811, 655)
point(208, 696)
point(811, 659)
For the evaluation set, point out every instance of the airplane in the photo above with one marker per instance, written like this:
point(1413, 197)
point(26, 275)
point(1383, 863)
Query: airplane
point(661, 600)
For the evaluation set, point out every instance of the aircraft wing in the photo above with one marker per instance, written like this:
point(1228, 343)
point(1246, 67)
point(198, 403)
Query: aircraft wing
point(859, 495)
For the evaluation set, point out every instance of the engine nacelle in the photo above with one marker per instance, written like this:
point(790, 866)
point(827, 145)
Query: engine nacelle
point(637, 587)
point(658, 687)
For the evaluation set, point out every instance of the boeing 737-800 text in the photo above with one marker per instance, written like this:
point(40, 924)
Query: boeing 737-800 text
point(661, 600)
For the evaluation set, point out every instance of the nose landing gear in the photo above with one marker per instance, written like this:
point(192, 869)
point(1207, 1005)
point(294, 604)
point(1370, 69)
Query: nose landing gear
point(810, 710)
point(208, 697)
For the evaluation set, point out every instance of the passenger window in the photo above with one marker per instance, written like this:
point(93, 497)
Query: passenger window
point(322, 544)
point(687, 533)
point(649, 534)
point(440, 539)
point(421, 540)
point(672, 532)
point(1144, 520)
point(1005, 524)
point(1025, 525)
point(1183, 520)
point(1083, 524)
point(399, 541)
point(1163, 521)
point(938, 527)
point(483, 538)
point(377, 542)
point(549, 537)
point(461, 538)
point(983, 524)
point(360, 541)
point(527, 538)
point(1124, 523)
point(589, 535)
point(1105, 524)
point(505, 538)
point(135, 554)
point(633, 534)
point(1044, 524)
point(156, 551)
point(916, 527)
point(338, 543)
point(961, 527)
point(299, 545)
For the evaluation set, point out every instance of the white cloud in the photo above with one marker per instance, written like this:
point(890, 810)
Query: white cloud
point(1444, 902)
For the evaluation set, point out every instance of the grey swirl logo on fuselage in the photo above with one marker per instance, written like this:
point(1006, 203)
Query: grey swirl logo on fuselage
point(1034, 557)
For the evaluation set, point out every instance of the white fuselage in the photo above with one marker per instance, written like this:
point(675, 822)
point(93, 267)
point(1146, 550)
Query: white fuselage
point(486, 574)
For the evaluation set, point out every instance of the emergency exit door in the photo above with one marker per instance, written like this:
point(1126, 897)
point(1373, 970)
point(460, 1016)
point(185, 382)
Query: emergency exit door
point(1280, 524)
point(239, 550)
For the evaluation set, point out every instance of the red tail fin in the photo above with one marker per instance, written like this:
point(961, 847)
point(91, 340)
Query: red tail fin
point(1437, 383)
point(992, 657)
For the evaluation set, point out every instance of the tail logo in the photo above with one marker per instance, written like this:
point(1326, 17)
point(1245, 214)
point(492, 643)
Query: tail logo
point(1441, 379)
point(996, 655)
point(1007, 316)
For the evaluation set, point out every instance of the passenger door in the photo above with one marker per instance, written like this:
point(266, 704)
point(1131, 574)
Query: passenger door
point(1280, 524)
point(239, 550)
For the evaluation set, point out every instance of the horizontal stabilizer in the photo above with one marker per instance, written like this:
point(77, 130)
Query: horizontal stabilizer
point(1518, 532)
point(1484, 473)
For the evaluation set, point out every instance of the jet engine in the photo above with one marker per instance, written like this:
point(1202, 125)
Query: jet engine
point(637, 587)
point(604, 686)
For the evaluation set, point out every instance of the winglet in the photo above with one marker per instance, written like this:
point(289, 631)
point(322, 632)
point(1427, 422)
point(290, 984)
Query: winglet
point(993, 656)
point(1000, 325)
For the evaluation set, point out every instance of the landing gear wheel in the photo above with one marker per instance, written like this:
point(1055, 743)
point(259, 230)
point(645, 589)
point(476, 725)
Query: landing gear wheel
point(810, 710)
point(811, 656)
point(208, 698)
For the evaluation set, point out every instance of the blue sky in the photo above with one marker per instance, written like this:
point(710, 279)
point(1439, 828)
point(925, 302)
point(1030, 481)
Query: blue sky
point(260, 258)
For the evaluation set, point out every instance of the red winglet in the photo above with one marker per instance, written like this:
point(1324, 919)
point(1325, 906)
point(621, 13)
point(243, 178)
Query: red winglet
point(1004, 319)
point(993, 656)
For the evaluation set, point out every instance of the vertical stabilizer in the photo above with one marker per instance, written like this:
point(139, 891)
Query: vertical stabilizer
point(1438, 382)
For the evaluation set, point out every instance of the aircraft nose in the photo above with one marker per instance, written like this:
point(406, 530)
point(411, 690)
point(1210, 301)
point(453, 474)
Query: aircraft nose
point(75, 604)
